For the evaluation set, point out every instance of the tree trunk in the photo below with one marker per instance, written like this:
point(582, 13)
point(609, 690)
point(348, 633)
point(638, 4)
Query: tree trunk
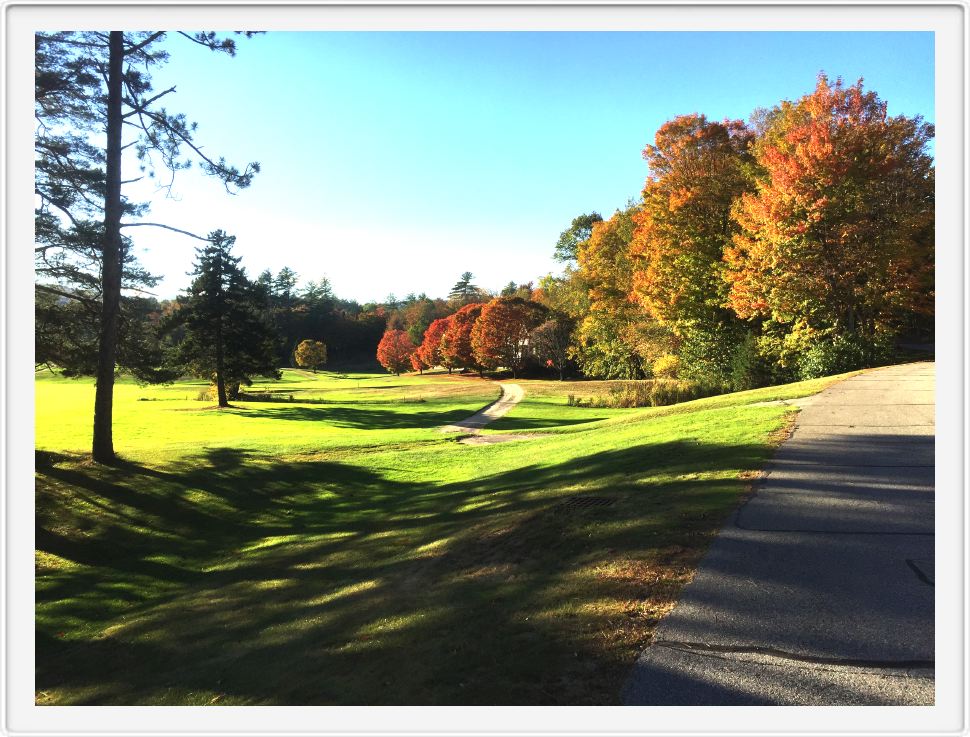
point(220, 367)
point(102, 447)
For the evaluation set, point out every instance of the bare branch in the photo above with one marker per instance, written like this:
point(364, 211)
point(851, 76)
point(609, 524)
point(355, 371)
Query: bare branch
point(68, 295)
point(167, 227)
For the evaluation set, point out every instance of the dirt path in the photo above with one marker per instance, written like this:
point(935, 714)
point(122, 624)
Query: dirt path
point(512, 394)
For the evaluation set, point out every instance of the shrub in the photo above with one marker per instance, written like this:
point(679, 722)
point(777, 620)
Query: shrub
point(648, 393)
point(666, 367)
point(845, 352)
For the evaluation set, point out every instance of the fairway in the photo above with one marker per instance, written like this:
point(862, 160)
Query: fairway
point(327, 545)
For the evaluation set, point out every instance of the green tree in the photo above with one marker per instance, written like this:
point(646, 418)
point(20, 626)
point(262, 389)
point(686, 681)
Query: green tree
point(578, 232)
point(284, 287)
point(228, 338)
point(87, 85)
point(464, 291)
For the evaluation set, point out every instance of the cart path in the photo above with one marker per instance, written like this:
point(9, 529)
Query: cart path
point(820, 589)
point(512, 394)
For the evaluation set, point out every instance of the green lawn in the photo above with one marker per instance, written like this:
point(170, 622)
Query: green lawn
point(338, 549)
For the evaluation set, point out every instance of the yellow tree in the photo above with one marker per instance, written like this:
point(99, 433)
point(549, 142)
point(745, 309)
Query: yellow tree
point(698, 169)
point(311, 354)
point(616, 339)
point(836, 243)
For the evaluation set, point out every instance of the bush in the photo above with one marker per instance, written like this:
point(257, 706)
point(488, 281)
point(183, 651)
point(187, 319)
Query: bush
point(840, 353)
point(649, 393)
point(708, 353)
point(666, 367)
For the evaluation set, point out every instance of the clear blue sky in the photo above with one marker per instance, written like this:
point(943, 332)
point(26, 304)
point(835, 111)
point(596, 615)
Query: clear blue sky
point(392, 162)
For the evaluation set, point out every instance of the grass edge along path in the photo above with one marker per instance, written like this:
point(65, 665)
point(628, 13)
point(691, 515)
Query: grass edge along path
point(416, 572)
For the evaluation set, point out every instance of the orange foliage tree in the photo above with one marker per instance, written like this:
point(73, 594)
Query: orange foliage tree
point(416, 363)
point(697, 170)
point(429, 352)
point(394, 351)
point(500, 335)
point(456, 341)
point(837, 240)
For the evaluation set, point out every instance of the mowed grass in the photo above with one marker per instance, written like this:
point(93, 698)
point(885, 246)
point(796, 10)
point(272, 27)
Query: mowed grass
point(338, 549)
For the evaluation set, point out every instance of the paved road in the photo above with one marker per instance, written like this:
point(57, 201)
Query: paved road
point(819, 590)
point(511, 395)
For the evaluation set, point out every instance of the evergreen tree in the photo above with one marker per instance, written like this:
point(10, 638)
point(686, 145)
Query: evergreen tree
point(227, 335)
point(464, 290)
point(93, 86)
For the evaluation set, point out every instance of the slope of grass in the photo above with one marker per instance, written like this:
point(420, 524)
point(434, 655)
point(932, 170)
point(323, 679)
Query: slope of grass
point(348, 553)
point(546, 407)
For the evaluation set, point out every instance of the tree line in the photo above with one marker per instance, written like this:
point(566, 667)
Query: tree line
point(797, 244)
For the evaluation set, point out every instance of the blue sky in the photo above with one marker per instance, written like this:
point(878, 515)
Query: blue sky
point(392, 162)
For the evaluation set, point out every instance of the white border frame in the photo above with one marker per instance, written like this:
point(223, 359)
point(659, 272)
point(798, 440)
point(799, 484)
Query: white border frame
point(19, 716)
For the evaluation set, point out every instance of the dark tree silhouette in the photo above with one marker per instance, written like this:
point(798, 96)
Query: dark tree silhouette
point(228, 338)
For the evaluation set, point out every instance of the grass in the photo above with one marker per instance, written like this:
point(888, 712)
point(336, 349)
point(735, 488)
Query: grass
point(545, 403)
point(337, 549)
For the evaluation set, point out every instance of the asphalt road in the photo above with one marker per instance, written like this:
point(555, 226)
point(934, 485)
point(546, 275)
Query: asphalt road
point(819, 590)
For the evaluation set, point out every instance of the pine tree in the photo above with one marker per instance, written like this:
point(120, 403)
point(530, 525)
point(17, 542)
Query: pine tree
point(464, 290)
point(227, 336)
point(92, 86)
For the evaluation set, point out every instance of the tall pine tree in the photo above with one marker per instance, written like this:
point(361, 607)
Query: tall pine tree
point(228, 338)
point(93, 86)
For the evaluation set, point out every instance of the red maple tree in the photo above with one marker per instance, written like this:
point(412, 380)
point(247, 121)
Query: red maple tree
point(394, 351)
point(456, 342)
point(500, 335)
point(429, 352)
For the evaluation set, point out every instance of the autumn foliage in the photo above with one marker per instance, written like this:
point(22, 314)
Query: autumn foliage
point(795, 245)
point(311, 354)
point(394, 351)
point(698, 169)
point(837, 239)
point(500, 335)
point(429, 352)
point(456, 341)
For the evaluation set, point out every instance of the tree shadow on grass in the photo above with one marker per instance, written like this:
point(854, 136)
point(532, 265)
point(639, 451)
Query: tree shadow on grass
point(361, 417)
point(325, 582)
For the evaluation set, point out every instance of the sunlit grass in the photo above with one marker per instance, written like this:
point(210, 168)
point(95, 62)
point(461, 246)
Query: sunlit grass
point(340, 550)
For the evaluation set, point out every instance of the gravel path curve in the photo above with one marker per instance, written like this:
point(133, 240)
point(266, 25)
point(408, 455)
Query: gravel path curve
point(512, 394)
